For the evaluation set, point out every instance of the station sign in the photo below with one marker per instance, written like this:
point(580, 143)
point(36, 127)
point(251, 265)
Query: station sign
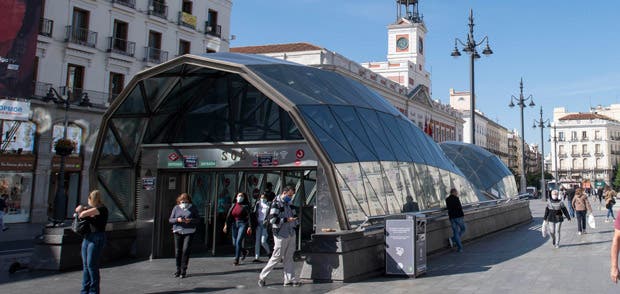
point(277, 155)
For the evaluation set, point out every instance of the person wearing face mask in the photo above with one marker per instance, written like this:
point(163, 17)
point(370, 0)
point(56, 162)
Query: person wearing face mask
point(283, 220)
point(239, 217)
point(261, 210)
point(554, 212)
point(183, 218)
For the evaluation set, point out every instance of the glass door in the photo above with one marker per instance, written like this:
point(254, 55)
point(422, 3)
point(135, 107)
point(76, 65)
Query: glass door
point(226, 188)
point(202, 190)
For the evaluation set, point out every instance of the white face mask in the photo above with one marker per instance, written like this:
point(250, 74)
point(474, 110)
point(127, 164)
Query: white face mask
point(263, 200)
point(554, 197)
point(239, 200)
point(184, 205)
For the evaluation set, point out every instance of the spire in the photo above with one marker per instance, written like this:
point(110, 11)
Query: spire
point(408, 9)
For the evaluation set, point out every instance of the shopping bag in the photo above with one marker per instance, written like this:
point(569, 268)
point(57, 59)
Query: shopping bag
point(591, 221)
point(544, 229)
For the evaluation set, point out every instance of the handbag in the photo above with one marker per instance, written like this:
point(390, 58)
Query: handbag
point(544, 229)
point(81, 226)
point(591, 221)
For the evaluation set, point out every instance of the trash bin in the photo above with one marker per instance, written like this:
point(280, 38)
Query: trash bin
point(405, 245)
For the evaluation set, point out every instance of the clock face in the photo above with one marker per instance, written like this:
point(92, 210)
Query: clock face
point(402, 43)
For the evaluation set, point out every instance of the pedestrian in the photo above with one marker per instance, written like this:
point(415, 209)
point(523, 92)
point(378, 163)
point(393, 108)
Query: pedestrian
point(261, 210)
point(269, 192)
point(239, 217)
point(610, 201)
point(184, 217)
point(570, 194)
point(562, 194)
point(582, 207)
point(554, 215)
point(600, 194)
point(615, 247)
point(97, 215)
point(283, 220)
point(456, 215)
point(4, 209)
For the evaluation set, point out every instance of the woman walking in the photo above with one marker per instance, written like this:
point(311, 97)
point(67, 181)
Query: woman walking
point(261, 211)
point(582, 206)
point(239, 217)
point(554, 215)
point(92, 245)
point(183, 218)
point(610, 201)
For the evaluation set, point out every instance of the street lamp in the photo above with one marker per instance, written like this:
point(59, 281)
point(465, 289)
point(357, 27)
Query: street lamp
point(555, 150)
point(470, 47)
point(60, 200)
point(542, 124)
point(521, 103)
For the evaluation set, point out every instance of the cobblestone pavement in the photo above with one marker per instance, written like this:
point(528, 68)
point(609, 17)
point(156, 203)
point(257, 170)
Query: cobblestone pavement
point(516, 260)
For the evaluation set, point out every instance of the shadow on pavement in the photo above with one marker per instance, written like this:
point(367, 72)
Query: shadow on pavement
point(195, 290)
point(583, 244)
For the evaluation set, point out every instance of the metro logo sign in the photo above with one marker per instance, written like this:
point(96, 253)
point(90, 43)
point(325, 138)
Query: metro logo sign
point(173, 156)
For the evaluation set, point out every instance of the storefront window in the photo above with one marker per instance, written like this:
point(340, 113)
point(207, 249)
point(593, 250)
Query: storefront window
point(18, 137)
point(74, 133)
point(18, 188)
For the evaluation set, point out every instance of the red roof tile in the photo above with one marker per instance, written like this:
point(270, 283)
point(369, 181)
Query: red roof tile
point(275, 48)
point(585, 116)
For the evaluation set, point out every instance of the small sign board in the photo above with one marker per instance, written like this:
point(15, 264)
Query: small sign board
point(190, 161)
point(400, 246)
point(148, 183)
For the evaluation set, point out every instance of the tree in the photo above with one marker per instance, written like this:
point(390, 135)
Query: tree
point(616, 180)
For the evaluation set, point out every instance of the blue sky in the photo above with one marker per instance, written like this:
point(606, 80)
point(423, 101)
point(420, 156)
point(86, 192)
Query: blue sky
point(566, 51)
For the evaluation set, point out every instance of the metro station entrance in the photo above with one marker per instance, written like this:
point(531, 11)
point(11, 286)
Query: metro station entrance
point(212, 192)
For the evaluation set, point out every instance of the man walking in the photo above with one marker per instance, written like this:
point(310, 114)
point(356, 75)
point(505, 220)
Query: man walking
point(570, 194)
point(455, 213)
point(283, 220)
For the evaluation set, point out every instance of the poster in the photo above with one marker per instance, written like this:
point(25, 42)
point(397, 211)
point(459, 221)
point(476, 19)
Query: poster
point(148, 183)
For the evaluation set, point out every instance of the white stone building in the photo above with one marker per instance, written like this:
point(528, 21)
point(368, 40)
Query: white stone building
point(91, 49)
point(588, 146)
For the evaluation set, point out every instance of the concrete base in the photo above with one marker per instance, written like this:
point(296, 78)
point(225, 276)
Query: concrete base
point(350, 256)
point(60, 248)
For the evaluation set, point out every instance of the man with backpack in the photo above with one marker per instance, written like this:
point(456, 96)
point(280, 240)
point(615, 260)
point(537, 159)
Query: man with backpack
point(283, 220)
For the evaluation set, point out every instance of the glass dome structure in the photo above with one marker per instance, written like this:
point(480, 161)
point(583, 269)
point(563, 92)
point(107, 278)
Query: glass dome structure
point(376, 161)
point(487, 173)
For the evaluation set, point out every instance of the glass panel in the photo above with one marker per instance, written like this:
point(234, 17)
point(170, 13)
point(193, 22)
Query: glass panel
point(16, 188)
point(155, 128)
point(310, 186)
point(293, 179)
point(326, 136)
point(119, 183)
point(253, 186)
point(354, 132)
point(129, 130)
point(411, 188)
point(352, 176)
point(114, 213)
point(354, 212)
point(392, 131)
point(392, 186)
point(133, 103)
point(111, 154)
point(408, 139)
point(375, 190)
point(18, 137)
point(202, 190)
point(259, 117)
point(74, 133)
point(376, 135)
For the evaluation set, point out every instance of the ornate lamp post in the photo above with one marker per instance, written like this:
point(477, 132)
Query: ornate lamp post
point(542, 124)
point(521, 103)
point(469, 47)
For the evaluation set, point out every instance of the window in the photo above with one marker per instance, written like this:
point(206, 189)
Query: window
point(212, 27)
point(574, 163)
point(561, 163)
point(585, 163)
point(597, 135)
point(154, 39)
point(153, 52)
point(584, 148)
point(574, 149)
point(598, 163)
point(210, 50)
point(573, 135)
point(75, 77)
point(187, 6)
point(117, 82)
point(561, 136)
point(120, 36)
point(18, 136)
point(184, 47)
point(584, 135)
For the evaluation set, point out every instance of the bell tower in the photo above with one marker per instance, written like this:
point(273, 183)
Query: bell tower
point(406, 35)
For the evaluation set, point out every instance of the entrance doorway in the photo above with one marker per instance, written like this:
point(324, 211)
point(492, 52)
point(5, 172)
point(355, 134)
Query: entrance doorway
point(212, 193)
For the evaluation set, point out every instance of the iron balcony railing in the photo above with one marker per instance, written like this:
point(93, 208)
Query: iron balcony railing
point(187, 20)
point(575, 154)
point(46, 26)
point(585, 154)
point(213, 30)
point(158, 8)
point(128, 3)
point(563, 155)
point(81, 36)
point(83, 97)
point(121, 46)
point(155, 55)
point(598, 154)
point(40, 89)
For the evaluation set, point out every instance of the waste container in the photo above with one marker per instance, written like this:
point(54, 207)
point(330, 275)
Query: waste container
point(405, 245)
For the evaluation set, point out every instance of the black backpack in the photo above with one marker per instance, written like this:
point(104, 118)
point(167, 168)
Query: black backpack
point(81, 226)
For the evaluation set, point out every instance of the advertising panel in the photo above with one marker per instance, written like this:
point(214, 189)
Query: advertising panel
point(19, 27)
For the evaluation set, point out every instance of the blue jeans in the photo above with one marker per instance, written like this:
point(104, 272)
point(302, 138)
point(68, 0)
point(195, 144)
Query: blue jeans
point(238, 234)
point(458, 229)
point(581, 220)
point(261, 239)
point(610, 212)
point(92, 246)
point(571, 211)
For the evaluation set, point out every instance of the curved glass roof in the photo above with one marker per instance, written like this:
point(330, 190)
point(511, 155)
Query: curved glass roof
point(482, 168)
point(381, 160)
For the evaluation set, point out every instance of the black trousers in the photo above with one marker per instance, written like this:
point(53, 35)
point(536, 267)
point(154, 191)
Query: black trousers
point(182, 249)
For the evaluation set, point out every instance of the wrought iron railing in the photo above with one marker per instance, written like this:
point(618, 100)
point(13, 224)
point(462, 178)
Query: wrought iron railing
point(158, 8)
point(213, 30)
point(46, 26)
point(155, 55)
point(128, 3)
point(81, 36)
point(121, 46)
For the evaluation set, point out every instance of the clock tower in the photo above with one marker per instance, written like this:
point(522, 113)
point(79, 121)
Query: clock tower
point(406, 35)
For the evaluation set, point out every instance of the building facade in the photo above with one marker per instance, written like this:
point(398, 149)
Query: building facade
point(588, 146)
point(86, 52)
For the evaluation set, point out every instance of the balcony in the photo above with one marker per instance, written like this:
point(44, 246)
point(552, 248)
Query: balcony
point(213, 31)
point(584, 139)
point(81, 36)
point(585, 154)
point(83, 97)
point(598, 154)
point(155, 55)
point(40, 89)
point(187, 20)
point(120, 46)
point(562, 155)
point(615, 152)
point(46, 26)
point(128, 3)
point(575, 155)
point(158, 8)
